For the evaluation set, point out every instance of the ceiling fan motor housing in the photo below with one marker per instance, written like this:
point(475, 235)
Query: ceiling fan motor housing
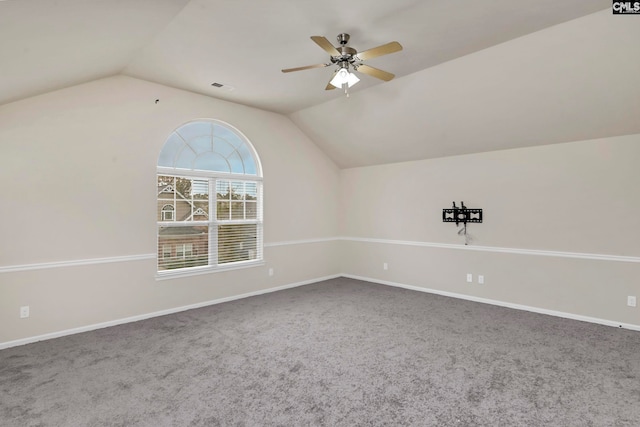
point(347, 54)
point(343, 38)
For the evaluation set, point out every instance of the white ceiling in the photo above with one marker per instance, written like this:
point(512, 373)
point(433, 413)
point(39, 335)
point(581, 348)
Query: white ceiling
point(449, 91)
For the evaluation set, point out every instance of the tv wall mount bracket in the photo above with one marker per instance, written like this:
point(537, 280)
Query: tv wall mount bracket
point(462, 215)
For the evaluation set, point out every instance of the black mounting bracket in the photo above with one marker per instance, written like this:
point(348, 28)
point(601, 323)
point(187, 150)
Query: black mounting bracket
point(461, 214)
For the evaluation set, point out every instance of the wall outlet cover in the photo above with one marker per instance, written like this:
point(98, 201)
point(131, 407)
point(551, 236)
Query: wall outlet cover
point(24, 312)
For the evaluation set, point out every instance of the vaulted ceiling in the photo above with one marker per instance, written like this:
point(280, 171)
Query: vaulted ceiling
point(473, 76)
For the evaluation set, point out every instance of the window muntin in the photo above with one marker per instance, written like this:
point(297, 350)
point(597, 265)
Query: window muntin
point(209, 199)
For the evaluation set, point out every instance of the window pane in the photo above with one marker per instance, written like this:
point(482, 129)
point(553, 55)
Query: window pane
point(228, 135)
point(236, 163)
point(200, 189)
point(200, 211)
point(237, 243)
point(166, 251)
point(182, 199)
point(250, 167)
point(222, 190)
point(185, 159)
point(223, 210)
point(165, 187)
point(251, 191)
point(170, 149)
point(165, 197)
point(251, 210)
point(211, 162)
point(247, 158)
point(193, 130)
point(182, 187)
point(237, 190)
point(182, 247)
point(222, 147)
point(201, 144)
point(237, 210)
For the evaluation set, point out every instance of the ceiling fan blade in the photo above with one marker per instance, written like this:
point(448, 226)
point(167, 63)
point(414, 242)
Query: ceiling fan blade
point(308, 67)
point(329, 85)
point(326, 45)
point(379, 51)
point(379, 74)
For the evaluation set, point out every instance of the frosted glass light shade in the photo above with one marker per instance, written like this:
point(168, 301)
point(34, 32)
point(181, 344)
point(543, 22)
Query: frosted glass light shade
point(344, 76)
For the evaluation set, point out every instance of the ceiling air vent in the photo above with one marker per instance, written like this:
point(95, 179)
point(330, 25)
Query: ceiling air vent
point(222, 86)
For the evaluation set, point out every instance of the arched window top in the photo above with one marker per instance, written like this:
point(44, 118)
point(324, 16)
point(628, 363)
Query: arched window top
point(211, 146)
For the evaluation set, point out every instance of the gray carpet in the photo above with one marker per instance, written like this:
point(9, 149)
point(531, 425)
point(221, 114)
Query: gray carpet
point(335, 353)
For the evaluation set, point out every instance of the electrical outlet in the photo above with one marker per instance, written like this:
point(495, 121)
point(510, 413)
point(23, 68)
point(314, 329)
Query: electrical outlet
point(631, 301)
point(480, 279)
point(469, 278)
point(24, 312)
point(271, 272)
point(385, 266)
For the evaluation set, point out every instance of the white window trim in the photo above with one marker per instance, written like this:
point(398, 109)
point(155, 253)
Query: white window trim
point(212, 222)
point(207, 269)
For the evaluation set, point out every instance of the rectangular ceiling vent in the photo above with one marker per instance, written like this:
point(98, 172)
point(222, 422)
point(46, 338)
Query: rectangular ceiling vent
point(222, 86)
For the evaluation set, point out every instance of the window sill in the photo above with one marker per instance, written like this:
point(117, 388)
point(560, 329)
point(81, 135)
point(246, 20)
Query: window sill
point(197, 271)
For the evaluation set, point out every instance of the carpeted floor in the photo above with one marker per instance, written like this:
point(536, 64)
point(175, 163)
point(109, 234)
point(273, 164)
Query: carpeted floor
point(335, 353)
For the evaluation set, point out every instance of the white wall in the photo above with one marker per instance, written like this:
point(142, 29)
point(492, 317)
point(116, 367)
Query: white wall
point(78, 167)
point(78, 172)
point(560, 228)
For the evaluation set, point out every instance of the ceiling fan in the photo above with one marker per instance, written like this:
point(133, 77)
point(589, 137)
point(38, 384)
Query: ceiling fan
point(346, 57)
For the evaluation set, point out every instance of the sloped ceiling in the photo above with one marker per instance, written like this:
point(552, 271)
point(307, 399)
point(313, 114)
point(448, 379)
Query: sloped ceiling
point(473, 76)
point(570, 82)
point(51, 44)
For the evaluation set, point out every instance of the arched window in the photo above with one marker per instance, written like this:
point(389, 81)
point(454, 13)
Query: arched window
point(209, 199)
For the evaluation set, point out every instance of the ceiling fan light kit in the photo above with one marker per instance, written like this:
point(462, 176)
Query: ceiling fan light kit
point(343, 76)
point(346, 57)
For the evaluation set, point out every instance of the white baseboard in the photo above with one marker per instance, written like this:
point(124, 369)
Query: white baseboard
point(116, 322)
point(500, 303)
